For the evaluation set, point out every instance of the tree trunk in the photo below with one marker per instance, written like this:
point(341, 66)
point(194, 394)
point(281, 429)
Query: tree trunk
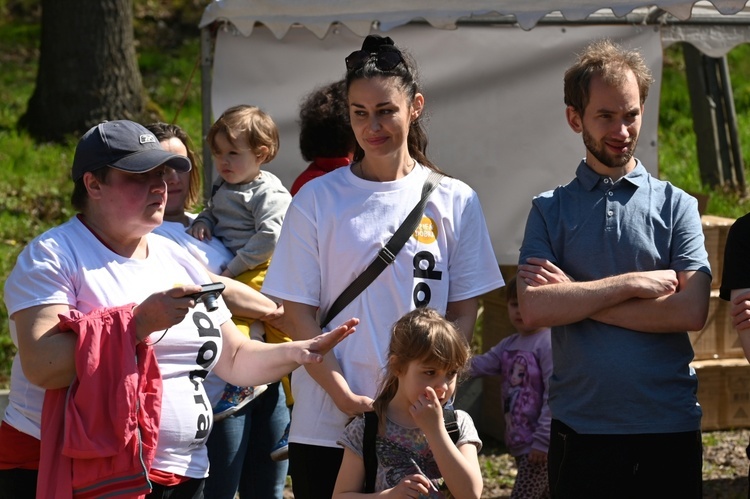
point(88, 70)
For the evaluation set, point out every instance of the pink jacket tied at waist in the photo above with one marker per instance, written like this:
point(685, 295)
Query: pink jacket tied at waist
point(99, 435)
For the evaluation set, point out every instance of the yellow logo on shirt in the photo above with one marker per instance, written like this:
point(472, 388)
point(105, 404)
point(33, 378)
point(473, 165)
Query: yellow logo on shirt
point(427, 231)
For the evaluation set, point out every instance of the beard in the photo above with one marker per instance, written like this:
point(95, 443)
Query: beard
point(600, 152)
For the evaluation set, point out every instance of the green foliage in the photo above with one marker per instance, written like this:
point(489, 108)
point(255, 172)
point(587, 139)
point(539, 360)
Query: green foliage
point(35, 184)
point(678, 158)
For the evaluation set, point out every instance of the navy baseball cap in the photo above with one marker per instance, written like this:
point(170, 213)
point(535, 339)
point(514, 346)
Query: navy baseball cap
point(124, 145)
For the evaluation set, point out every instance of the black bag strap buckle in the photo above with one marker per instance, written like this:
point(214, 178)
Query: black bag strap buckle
point(386, 255)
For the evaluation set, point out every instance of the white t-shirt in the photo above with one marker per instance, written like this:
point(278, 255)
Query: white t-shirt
point(211, 252)
point(69, 265)
point(214, 256)
point(333, 229)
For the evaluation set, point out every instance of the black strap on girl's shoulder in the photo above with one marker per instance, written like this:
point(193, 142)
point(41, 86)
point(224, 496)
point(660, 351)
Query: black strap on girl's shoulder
point(451, 424)
point(369, 454)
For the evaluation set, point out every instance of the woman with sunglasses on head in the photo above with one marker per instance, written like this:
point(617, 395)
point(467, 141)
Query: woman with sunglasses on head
point(338, 223)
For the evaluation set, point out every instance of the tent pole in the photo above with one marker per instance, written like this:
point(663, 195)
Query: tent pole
point(208, 37)
point(737, 164)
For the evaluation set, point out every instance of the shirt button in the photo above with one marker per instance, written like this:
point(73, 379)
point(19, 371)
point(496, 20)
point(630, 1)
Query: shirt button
point(610, 213)
point(609, 193)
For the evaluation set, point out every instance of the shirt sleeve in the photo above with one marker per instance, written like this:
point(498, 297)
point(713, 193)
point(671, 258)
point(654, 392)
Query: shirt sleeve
point(467, 431)
point(536, 241)
point(736, 272)
point(295, 273)
point(353, 436)
point(473, 259)
point(489, 363)
point(688, 249)
point(43, 275)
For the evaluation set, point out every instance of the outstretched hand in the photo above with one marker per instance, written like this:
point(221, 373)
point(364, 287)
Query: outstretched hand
point(312, 351)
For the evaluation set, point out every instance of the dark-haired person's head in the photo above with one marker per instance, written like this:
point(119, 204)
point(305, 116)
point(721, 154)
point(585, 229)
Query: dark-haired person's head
point(380, 59)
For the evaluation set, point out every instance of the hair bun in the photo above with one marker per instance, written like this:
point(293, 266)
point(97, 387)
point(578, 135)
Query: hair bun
point(373, 42)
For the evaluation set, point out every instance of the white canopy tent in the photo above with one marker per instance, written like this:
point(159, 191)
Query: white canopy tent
point(493, 85)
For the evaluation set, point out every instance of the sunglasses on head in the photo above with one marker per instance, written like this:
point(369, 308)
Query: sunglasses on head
point(386, 58)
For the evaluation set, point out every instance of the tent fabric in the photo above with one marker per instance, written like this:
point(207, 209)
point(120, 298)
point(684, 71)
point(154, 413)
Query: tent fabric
point(360, 15)
point(495, 120)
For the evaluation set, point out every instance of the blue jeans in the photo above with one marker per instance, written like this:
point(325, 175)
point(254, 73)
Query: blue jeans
point(239, 447)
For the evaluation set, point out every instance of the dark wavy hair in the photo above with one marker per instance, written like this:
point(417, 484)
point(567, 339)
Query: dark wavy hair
point(406, 74)
point(325, 131)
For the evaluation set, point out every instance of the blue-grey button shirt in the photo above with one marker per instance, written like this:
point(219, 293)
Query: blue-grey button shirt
point(609, 379)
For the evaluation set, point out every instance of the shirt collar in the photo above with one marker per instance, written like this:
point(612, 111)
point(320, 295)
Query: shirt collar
point(589, 178)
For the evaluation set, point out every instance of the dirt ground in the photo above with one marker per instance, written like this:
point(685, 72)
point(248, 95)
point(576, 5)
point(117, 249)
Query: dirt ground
point(725, 467)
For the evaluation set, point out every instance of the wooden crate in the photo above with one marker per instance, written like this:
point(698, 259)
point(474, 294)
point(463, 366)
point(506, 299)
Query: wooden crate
point(724, 393)
point(717, 339)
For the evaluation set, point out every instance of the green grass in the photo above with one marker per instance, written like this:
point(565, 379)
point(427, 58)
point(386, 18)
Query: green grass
point(678, 160)
point(34, 183)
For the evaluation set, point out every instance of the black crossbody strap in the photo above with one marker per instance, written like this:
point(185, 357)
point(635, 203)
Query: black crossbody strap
point(386, 255)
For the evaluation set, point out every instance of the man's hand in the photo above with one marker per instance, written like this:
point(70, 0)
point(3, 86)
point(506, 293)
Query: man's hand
point(654, 283)
point(540, 271)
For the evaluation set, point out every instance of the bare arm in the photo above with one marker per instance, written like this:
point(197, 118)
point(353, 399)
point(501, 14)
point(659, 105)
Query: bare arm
point(459, 466)
point(739, 311)
point(560, 301)
point(328, 373)
point(47, 354)
point(464, 314)
point(655, 306)
point(684, 310)
point(245, 362)
point(244, 301)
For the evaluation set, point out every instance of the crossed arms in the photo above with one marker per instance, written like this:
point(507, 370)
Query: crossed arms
point(657, 301)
